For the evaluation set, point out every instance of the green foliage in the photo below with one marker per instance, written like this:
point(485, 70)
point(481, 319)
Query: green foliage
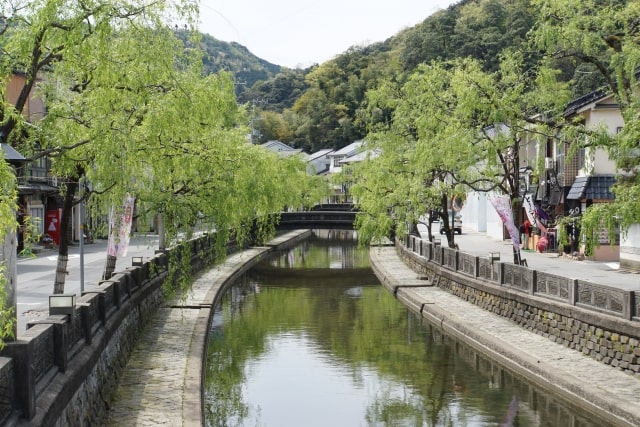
point(278, 92)
point(31, 235)
point(8, 190)
point(601, 37)
point(219, 56)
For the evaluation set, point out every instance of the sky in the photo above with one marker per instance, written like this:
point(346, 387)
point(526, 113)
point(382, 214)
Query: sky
point(300, 33)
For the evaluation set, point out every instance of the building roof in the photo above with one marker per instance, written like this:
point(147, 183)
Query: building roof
point(596, 187)
point(498, 129)
point(320, 153)
point(577, 104)
point(277, 146)
point(349, 150)
point(11, 154)
point(361, 156)
point(600, 187)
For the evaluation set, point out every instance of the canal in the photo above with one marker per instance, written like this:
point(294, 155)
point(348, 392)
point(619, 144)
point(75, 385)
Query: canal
point(309, 337)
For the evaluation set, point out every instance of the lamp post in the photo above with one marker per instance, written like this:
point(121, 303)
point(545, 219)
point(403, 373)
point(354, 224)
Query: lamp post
point(81, 246)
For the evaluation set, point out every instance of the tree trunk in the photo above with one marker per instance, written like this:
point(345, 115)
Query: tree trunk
point(110, 267)
point(63, 250)
point(61, 273)
point(447, 220)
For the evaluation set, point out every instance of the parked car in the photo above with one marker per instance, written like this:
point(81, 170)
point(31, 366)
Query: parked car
point(456, 224)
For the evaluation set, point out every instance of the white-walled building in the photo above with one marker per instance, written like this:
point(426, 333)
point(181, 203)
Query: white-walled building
point(318, 162)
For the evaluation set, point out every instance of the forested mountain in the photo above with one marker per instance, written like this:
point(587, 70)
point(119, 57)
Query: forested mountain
point(322, 107)
point(247, 68)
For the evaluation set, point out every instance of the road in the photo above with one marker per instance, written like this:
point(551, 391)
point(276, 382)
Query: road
point(36, 275)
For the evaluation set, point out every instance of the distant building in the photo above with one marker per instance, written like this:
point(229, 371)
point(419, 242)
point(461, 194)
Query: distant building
point(318, 162)
point(337, 157)
point(281, 148)
point(38, 190)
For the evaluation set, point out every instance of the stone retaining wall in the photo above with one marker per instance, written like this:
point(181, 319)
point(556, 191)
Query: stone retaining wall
point(64, 369)
point(597, 320)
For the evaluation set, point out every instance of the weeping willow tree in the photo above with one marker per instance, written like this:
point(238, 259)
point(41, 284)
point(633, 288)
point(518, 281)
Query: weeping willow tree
point(601, 36)
point(437, 139)
point(130, 112)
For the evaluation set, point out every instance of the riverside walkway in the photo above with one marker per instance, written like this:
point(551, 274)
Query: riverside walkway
point(605, 391)
point(162, 381)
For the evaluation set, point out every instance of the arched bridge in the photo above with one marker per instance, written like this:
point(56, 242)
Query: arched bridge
point(330, 216)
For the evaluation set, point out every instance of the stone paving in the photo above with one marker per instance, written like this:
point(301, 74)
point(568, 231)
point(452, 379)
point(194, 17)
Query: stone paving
point(583, 381)
point(161, 384)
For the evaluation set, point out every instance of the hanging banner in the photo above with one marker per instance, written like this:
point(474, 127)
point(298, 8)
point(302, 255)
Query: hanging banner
point(542, 217)
point(530, 209)
point(120, 228)
point(502, 205)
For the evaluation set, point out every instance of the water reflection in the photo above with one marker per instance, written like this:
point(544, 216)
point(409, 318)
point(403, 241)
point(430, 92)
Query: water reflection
point(298, 342)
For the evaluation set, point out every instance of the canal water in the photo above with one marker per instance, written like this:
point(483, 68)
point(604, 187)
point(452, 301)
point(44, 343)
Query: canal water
point(310, 338)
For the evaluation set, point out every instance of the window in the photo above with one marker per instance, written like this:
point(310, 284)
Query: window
point(37, 218)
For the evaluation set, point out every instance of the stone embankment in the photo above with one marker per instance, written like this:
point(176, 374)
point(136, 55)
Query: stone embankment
point(491, 319)
point(125, 340)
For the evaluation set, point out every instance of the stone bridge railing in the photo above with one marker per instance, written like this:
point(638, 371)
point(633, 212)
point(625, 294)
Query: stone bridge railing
point(597, 320)
point(64, 358)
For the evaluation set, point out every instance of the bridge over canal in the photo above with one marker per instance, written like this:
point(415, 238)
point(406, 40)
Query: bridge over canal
point(331, 216)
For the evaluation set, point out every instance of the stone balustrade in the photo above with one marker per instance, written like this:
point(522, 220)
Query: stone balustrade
point(64, 359)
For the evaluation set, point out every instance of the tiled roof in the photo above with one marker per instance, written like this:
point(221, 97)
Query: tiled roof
point(319, 154)
point(592, 187)
point(582, 101)
point(578, 188)
point(348, 150)
point(600, 187)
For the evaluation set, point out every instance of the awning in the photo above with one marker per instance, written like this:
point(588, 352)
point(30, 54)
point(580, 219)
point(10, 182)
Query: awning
point(592, 188)
point(35, 187)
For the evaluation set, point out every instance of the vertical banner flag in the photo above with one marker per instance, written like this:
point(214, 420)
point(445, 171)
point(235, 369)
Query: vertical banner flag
point(502, 205)
point(542, 218)
point(120, 228)
point(529, 207)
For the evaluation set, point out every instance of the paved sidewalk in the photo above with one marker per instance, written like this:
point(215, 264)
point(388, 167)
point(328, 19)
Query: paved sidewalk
point(161, 384)
point(599, 389)
point(603, 273)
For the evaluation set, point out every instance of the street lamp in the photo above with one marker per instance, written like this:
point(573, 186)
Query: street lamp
point(62, 304)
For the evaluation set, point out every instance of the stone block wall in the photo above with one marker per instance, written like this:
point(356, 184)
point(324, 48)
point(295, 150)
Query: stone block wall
point(596, 320)
point(64, 370)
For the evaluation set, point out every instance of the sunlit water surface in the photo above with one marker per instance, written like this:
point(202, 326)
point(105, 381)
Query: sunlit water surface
point(310, 338)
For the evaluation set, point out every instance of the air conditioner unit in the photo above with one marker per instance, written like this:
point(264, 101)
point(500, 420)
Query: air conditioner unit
point(548, 163)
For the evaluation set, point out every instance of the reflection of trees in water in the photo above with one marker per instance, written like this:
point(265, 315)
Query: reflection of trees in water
point(336, 249)
point(442, 382)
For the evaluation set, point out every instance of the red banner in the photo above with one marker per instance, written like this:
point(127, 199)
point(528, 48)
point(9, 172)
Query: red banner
point(52, 225)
